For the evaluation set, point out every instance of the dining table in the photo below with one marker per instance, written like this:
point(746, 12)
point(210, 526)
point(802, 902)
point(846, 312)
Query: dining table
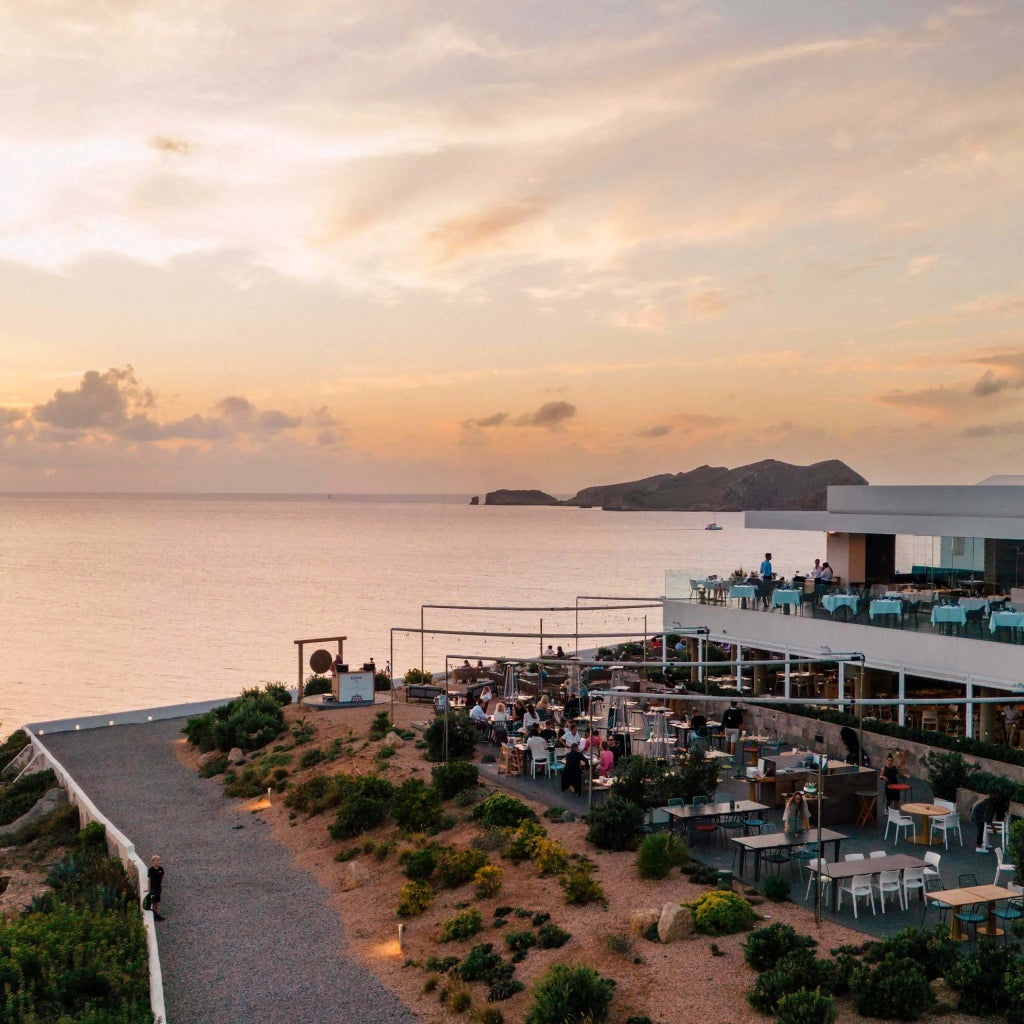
point(833, 602)
point(844, 869)
point(743, 592)
point(785, 599)
point(761, 844)
point(696, 812)
point(949, 615)
point(955, 898)
point(925, 812)
point(1006, 620)
point(885, 607)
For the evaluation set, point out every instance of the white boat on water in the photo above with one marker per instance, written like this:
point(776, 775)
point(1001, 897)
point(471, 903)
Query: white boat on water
point(713, 526)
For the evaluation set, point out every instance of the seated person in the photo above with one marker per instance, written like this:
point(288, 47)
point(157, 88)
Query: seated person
point(486, 695)
point(698, 726)
point(537, 746)
point(544, 708)
point(571, 737)
point(499, 722)
point(559, 653)
point(572, 706)
point(606, 762)
point(530, 718)
point(479, 716)
point(441, 703)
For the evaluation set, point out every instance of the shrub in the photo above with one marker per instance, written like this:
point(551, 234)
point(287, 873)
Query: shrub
point(793, 972)
point(214, 766)
point(413, 898)
point(456, 867)
point(450, 778)
point(659, 854)
point(765, 947)
point(614, 825)
point(256, 777)
point(621, 943)
point(276, 691)
point(489, 838)
point(651, 782)
point(487, 881)
point(1014, 982)
point(501, 811)
point(775, 888)
point(520, 844)
point(550, 936)
point(980, 978)
point(415, 807)
point(420, 864)
point(722, 913)
point(303, 730)
point(1015, 849)
point(317, 684)
point(490, 1015)
point(356, 815)
point(12, 746)
point(380, 726)
point(381, 682)
point(567, 993)
point(462, 737)
point(442, 965)
point(550, 857)
point(21, 796)
point(461, 927)
point(504, 988)
point(806, 1007)
point(541, 917)
point(458, 997)
point(579, 887)
point(933, 951)
point(250, 721)
point(896, 989)
point(483, 964)
point(947, 771)
point(520, 942)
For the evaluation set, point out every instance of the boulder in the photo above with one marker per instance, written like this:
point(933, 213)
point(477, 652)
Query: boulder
point(641, 920)
point(49, 801)
point(675, 923)
point(353, 876)
point(209, 757)
point(567, 816)
point(393, 740)
point(235, 755)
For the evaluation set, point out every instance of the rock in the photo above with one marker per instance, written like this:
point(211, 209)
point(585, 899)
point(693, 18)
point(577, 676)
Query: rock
point(209, 757)
point(641, 920)
point(393, 740)
point(49, 801)
point(675, 923)
point(353, 876)
point(235, 755)
point(566, 817)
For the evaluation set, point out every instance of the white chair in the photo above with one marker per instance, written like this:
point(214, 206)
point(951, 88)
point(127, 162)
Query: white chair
point(877, 854)
point(817, 869)
point(946, 824)
point(859, 885)
point(1003, 865)
point(932, 870)
point(994, 829)
point(913, 878)
point(889, 881)
point(541, 765)
point(849, 857)
point(897, 818)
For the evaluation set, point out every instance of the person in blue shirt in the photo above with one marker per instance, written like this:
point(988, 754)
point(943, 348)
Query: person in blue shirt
point(766, 580)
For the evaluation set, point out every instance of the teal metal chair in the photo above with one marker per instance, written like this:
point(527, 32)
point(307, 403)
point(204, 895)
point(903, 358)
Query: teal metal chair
point(776, 857)
point(976, 913)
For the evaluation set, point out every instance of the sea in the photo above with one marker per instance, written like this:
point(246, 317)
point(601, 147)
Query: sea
point(116, 602)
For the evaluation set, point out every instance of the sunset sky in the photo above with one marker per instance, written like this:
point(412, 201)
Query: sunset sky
point(455, 246)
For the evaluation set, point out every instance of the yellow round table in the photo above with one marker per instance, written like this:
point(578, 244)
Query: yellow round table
point(925, 812)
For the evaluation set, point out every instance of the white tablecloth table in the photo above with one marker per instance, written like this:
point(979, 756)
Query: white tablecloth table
point(742, 590)
point(780, 598)
point(885, 606)
point(955, 614)
point(833, 602)
point(972, 604)
point(1007, 620)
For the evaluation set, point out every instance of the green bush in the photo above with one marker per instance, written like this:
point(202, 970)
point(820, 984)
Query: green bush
point(550, 936)
point(659, 854)
point(214, 766)
point(415, 807)
point(521, 842)
point(775, 888)
point(56, 829)
point(249, 722)
point(501, 811)
point(453, 777)
point(795, 971)
point(615, 825)
point(1014, 983)
point(947, 771)
point(462, 737)
point(311, 758)
point(765, 947)
point(278, 691)
point(487, 881)
point(317, 684)
point(652, 782)
point(456, 867)
point(980, 978)
point(442, 965)
point(420, 864)
point(483, 964)
point(721, 912)
point(319, 793)
point(894, 989)
point(549, 857)
point(578, 885)
point(806, 1006)
point(255, 778)
point(21, 796)
point(461, 927)
point(504, 988)
point(521, 941)
point(381, 682)
point(12, 746)
point(413, 898)
point(356, 815)
point(1015, 849)
point(570, 993)
point(933, 951)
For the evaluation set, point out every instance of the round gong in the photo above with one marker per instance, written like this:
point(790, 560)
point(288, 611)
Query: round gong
point(320, 661)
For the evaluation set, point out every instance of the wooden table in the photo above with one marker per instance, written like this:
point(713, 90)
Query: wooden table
point(868, 799)
point(925, 812)
point(987, 894)
point(691, 812)
point(869, 866)
point(758, 845)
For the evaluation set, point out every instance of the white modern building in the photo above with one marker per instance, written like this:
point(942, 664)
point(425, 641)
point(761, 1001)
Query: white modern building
point(975, 540)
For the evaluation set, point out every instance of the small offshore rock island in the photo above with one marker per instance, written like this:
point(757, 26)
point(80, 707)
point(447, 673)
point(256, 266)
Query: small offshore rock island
point(761, 486)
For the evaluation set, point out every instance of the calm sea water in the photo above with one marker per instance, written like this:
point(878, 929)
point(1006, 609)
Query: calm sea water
point(118, 602)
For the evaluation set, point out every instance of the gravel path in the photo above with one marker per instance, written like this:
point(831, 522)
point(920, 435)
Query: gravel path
point(249, 937)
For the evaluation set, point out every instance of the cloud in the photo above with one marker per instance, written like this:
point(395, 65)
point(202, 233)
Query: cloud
point(236, 408)
point(660, 430)
point(550, 415)
point(486, 229)
point(994, 429)
point(273, 421)
point(707, 303)
point(989, 384)
point(496, 419)
point(100, 401)
point(168, 144)
point(938, 397)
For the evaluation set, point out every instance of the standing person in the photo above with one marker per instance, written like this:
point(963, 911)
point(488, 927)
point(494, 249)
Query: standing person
point(890, 773)
point(826, 573)
point(816, 571)
point(572, 773)
point(796, 817)
point(766, 580)
point(156, 885)
point(607, 760)
point(732, 722)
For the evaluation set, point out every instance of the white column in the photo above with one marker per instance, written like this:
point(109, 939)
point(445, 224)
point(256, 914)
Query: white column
point(969, 709)
point(902, 694)
point(786, 689)
point(842, 685)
